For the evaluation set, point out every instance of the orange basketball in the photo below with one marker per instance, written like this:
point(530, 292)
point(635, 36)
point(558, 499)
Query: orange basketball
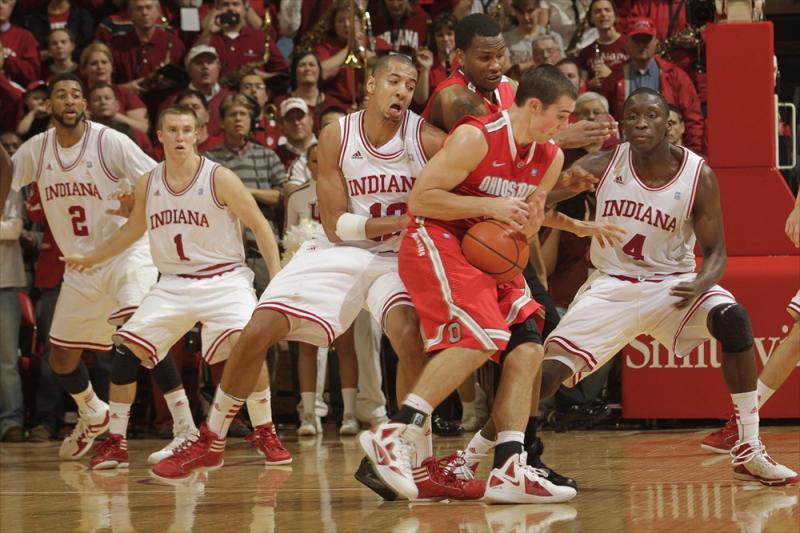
point(496, 249)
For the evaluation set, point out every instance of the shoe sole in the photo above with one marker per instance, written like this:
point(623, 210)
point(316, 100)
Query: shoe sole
point(510, 496)
point(109, 465)
point(367, 476)
point(715, 449)
point(89, 444)
point(768, 482)
point(348, 432)
point(365, 440)
point(278, 463)
point(306, 433)
point(190, 475)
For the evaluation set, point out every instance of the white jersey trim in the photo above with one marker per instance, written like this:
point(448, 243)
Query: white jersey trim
point(609, 166)
point(191, 183)
point(84, 143)
point(375, 152)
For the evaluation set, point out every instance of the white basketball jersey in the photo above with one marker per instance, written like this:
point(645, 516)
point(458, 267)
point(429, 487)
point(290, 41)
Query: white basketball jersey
point(659, 234)
point(76, 183)
point(379, 179)
point(302, 205)
point(191, 232)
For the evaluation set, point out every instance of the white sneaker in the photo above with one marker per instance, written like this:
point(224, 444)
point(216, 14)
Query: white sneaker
point(349, 426)
point(528, 518)
point(390, 447)
point(80, 441)
point(182, 434)
point(517, 482)
point(310, 425)
point(752, 463)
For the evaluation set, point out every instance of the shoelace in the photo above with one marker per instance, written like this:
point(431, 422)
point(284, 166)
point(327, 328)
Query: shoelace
point(185, 448)
point(270, 437)
point(742, 453)
point(443, 470)
point(108, 443)
point(457, 463)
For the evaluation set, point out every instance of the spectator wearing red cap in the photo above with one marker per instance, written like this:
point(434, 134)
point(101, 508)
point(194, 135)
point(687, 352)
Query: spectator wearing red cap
point(37, 118)
point(138, 54)
point(609, 52)
point(644, 69)
point(238, 45)
point(401, 23)
point(61, 14)
point(19, 54)
point(297, 122)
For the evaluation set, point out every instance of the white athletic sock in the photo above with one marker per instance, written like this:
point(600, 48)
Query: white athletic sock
point(259, 408)
point(349, 400)
point(764, 393)
point(418, 403)
point(510, 436)
point(88, 402)
point(467, 410)
point(746, 408)
point(309, 402)
point(223, 411)
point(120, 413)
point(480, 444)
point(178, 405)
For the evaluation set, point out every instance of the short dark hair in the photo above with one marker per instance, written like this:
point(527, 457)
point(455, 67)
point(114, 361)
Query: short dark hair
point(647, 90)
point(568, 61)
point(545, 83)
point(186, 93)
point(296, 58)
point(101, 85)
point(676, 110)
point(589, 11)
point(476, 24)
point(383, 62)
point(242, 100)
point(64, 76)
point(62, 29)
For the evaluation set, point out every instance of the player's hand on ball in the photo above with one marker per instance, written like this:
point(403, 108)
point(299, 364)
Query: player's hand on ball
point(125, 199)
point(78, 262)
point(793, 227)
point(606, 234)
point(512, 211)
point(577, 180)
point(536, 214)
point(686, 292)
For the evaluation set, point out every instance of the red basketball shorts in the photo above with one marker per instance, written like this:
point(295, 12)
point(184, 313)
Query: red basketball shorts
point(457, 304)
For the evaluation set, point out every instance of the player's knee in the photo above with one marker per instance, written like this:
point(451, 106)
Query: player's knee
point(405, 335)
point(730, 325)
point(166, 375)
point(125, 366)
point(553, 375)
point(61, 361)
point(524, 358)
point(265, 328)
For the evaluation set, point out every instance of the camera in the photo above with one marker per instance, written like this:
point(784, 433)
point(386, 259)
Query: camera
point(228, 19)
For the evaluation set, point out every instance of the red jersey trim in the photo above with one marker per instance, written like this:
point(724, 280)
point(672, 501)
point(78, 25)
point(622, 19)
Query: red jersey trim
point(694, 188)
point(191, 183)
point(608, 168)
point(139, 341)
point(211, 271)
point(692, 310)
point(345, 135)
point(670, 182)
point(219, 203)
point(419, 142)
point(149, 182)
point(84, 144)
point(212, 351)
point(103, 164)
point(41, 154)
point(374, 151)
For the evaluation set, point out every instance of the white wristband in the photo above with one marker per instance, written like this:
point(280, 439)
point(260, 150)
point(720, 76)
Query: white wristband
point(350, 227)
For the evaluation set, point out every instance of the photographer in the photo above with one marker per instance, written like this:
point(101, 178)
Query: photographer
point(241, 47)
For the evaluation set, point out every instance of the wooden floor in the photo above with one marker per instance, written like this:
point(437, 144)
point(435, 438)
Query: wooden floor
point(628, 481)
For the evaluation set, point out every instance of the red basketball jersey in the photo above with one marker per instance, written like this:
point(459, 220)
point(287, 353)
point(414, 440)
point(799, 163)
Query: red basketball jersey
point(503, 95)
point(506, 170)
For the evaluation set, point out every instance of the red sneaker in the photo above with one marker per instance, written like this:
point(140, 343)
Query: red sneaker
point(200, 454)
point(111, 453)
point(723, 439)
point(266, 441)
point(436, 480)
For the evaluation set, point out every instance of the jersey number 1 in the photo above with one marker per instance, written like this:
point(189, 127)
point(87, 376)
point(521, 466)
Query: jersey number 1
point(634, 247)
point(179, 245)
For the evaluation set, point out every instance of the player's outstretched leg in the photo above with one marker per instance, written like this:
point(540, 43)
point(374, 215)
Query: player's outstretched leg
point(264, 437)
point(779, 366)
point(240, 378)
point(512, 479)
point(93, 413)
point(168, 378)
point(730, 324)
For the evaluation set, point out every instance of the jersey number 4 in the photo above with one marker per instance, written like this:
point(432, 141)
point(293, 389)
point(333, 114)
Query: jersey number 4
point(376, 211)
point(634, 247)
point(78, 214)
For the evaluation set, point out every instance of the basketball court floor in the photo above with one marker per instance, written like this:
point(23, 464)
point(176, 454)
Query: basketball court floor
point(628, 481)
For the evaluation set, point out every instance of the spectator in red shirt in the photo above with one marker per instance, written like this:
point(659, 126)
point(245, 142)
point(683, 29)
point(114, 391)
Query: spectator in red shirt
point(644, 69)
point(97, 66)
point(11, 94)
point(138, 54)
point(266, 132)
point(60, 45)
point(609, 52)
point(114, 24)
point(401, 23)
point(60, 14)
point(239, 46)
point(19, 51)
point(297, 122)
point(444, 54)
point(104, 108)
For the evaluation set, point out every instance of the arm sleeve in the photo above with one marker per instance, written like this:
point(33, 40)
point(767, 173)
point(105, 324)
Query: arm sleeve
point(24, 163)
point(123, 157)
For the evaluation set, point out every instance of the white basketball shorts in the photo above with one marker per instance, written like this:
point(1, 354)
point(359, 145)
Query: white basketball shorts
point(91, 304)
point(325, 286)
point(608, 312)
point(222, 304)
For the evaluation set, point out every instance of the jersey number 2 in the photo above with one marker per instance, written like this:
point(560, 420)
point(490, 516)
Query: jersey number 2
point(78, 218)
point(179, 246)
point(376, 210)
point(634, 247)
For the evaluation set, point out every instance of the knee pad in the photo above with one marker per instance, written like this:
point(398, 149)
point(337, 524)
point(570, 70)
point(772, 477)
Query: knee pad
point(125, 366)
point(166, 375)
point(730, 325)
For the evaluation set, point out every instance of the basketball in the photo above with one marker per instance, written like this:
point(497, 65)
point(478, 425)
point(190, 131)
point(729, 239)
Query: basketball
point(496, 249)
